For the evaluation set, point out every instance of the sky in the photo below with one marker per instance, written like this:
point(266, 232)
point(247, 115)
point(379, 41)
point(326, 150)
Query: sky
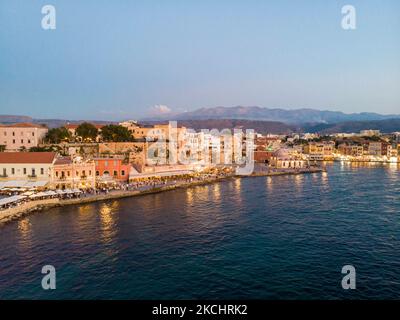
point(127, 59)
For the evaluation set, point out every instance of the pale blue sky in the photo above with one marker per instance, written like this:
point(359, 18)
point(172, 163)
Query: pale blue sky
point(116, 59)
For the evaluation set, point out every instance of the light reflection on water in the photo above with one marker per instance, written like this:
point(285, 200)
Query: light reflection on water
point(25, 234)
point(265, 237)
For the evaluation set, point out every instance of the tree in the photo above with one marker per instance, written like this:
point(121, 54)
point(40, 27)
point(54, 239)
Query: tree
point(56, 135)
point(87, 131)
point(116, 133)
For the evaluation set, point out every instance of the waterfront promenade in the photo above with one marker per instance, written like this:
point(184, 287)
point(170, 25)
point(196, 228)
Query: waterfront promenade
point(30, 206)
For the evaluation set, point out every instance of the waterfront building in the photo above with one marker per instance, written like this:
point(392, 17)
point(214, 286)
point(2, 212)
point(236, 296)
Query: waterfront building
point(320, 150)
point(395, 151)
point(163, 172)
point(265, 147)
point(285, 159)
point(386, 149)
point(20, 169)
point(375, 148)
point(111, 170)
point(192, 150)
point(70, 173)
point(15, 137)
point(352, 150)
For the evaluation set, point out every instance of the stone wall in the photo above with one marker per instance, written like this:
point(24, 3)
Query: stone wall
point(16, 212)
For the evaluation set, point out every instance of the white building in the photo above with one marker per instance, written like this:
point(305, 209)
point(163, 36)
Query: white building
point(21, 135)
point(370, 133)
point(19, 169)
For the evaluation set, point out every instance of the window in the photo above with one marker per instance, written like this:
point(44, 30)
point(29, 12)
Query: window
point(77, 173)
point(13, 134)
point(29, 141)
point(122, 172)
point(33, 172)
point(97, 173)
point(24, 170)
point(13, 140)
point(5, 133)
point(56, 173)
point(41, 171)
point(115, 173)
point(33, 134)
point(22, 140)
point(4, 172)
point(90, 172)
point(84, 173)
point(68, 173)
point(12, 170)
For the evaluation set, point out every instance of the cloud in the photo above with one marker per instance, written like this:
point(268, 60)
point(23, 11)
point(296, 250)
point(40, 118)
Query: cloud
point(160, 109)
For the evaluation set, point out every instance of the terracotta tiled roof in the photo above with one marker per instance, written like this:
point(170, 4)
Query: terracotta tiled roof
point(63, 160)
point(22, 125)
point(27, 157)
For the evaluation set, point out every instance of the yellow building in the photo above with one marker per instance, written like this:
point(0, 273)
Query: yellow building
point(320, 150)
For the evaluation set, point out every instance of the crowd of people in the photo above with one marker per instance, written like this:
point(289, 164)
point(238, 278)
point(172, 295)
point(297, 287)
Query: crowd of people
point(16, 198)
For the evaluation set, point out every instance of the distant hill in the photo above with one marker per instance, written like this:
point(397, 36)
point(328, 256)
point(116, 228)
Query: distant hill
point(51, 123)
point(273, 127)
point(296, 116)
point(14, 119)
point(385, 126)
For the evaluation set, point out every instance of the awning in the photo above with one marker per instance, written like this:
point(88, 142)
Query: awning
point(36, 184)
point(14, 184)
point(12, 199)
point(37, 195)
point(23, 184)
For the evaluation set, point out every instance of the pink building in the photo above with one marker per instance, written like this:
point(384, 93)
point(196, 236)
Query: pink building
point(21, 135)
point(73, 173)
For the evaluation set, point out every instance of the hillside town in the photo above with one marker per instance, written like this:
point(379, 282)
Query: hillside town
point(88, 159)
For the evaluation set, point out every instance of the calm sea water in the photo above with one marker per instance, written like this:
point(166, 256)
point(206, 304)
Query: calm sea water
point(268, 238)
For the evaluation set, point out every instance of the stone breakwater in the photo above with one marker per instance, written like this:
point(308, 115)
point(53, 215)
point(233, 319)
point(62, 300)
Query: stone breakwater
point(26, 208)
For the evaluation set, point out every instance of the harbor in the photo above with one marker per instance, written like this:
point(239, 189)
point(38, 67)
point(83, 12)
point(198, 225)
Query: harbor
point(18, 206)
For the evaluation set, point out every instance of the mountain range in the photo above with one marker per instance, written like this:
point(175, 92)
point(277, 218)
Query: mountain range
point(262, 120)
point(295, 116)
